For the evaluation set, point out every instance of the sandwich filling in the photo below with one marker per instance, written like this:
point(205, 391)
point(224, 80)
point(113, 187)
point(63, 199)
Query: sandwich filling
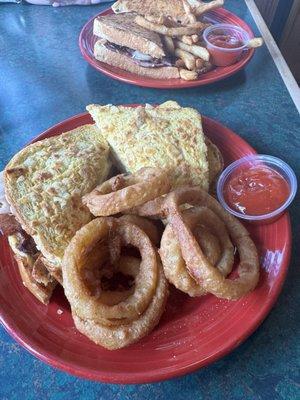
point(141, 59)
point(26, 244)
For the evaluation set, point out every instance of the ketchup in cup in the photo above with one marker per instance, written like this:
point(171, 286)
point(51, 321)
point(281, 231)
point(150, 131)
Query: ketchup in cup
point(257, 188)
point(225, 43)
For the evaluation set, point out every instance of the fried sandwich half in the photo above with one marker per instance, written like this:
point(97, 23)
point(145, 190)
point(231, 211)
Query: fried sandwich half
point(44, 184)
point(164, 136)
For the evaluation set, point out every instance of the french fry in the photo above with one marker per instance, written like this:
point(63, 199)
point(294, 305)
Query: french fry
point(188, 58)
point(197, 51)
point(188, 10)
point(187, 39)
point(195, 38)
point(155, 19)
point(188, 75)
point(179, 63)
point(255, 42)
point(169, 44)
point(200, 7)
point(170, 23)
point(164, 30)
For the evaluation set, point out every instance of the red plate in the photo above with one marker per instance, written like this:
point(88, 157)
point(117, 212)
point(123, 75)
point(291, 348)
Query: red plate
point(87, 41)
point(192, 332)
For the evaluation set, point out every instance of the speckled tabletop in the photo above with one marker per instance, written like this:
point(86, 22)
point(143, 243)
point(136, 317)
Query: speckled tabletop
point(43, 80)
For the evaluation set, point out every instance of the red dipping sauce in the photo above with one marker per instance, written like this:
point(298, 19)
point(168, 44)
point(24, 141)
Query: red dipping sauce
point(257, 190)
point(225, 43)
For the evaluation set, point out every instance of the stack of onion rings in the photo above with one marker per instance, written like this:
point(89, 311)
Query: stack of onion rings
point(196, 249)
point(209, 277)
point(113, 325)
point(197, 264)
point(199, 267)
point(120, 336)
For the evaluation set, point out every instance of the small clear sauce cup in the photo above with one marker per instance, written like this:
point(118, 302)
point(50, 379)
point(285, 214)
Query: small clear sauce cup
point(223, 56)
point(258, 160)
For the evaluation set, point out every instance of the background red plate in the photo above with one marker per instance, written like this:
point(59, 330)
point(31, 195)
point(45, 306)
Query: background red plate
point(192, 332)
point(87, 41)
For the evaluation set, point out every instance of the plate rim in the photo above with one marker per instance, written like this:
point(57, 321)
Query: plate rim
point(145, 377)
point(147, 82)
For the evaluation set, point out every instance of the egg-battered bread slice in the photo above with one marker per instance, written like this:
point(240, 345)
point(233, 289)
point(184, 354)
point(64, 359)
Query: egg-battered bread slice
point(164, 136)
point(44, 161)
point(44, 184)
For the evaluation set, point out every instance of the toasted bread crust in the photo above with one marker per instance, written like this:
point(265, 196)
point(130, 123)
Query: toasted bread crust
point(122, 30)
point(54, 270)
point(215, 162)
point(122, 61)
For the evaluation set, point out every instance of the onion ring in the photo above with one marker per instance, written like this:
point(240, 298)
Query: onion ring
point(146, 225)
point(174, 265)
point(209, 243)
point(198, 266)
point(122, 192)
point(114, 248)
point(215, 163)
point(113, 338)
point(152, 209)
point(88, 238)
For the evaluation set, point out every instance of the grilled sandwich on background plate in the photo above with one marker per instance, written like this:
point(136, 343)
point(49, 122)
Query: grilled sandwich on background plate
point(44, 184)
point(124, 44)
point(169, 8)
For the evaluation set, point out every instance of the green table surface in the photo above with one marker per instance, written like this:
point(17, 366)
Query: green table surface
point(43, 80)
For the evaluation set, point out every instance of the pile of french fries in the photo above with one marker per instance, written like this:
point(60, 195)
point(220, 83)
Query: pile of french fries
point(183, 39)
